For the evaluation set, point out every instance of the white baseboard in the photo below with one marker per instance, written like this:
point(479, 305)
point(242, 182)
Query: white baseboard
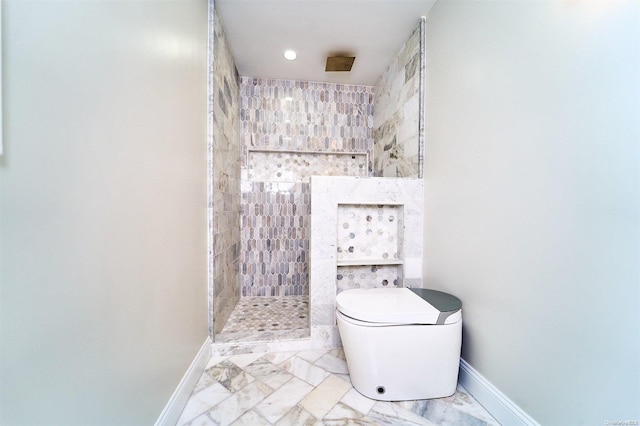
point(498, 404)
point(171, 412)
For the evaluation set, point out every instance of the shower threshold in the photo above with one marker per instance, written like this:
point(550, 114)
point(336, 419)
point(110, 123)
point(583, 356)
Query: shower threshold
point(267, 319)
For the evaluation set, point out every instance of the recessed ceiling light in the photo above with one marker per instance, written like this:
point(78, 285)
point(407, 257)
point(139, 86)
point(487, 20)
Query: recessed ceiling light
point(290, 55)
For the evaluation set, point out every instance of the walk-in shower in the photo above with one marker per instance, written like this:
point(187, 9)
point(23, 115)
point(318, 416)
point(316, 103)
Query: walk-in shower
point(268, 137)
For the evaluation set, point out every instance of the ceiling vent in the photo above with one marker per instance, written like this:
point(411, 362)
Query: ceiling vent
point(339, 63)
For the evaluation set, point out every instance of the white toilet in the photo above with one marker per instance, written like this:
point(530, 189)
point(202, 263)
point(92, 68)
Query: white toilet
point(400, 343)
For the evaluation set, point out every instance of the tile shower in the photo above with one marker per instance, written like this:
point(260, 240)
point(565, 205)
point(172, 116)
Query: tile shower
point(268, 138)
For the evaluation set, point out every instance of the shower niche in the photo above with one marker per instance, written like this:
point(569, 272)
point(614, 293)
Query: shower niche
point(369, 246)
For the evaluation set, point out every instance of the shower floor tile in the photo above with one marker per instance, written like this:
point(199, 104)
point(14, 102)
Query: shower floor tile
point(267, 319)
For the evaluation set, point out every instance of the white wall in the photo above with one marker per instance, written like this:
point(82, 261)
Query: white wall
point(103, 196)
point(532, 195)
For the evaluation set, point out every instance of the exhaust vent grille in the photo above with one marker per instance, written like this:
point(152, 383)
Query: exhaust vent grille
point(339, 63)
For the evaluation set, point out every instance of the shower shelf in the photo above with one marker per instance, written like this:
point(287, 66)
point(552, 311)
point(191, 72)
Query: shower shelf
point(364, 262)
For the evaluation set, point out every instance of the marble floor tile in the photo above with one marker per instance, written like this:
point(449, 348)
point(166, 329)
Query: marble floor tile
point(268, 373)
point(280, 388)
point(202, 420)
point(305, 370)
point(298, 416)
point(243, 360)
point(276, 405)
point(460, 408)
point(239, 403)
point(251, 418)
point(278, 358)
point(341, 411)
point(230, 375)
point(327, 394)
point(202, 401)
point(311, 356)
point(357, 401)
point(388, 412)
point(332, 364)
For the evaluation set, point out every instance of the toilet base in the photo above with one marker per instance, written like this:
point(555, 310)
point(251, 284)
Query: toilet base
point(401, 362)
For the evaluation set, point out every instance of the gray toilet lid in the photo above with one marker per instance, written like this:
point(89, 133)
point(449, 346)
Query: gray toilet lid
point(446, 303)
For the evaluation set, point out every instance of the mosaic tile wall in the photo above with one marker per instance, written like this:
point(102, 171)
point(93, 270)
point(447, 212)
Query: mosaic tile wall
point(369, 232)
point(289, 166)
point(329, 195)
point(226, 181)
point(369, 276)
point(275, 241)
point(397, 150)
point(293, 117)
point(306, 116)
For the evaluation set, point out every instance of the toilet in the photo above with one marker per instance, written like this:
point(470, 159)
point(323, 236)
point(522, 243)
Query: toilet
point(401, 343)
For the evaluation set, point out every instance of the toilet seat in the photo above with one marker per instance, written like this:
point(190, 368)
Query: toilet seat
point(398, 306)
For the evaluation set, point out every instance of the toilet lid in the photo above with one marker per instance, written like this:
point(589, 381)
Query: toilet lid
point(397, 306)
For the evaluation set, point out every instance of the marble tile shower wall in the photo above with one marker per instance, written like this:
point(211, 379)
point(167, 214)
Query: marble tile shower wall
point(226, 181)
point(305, 116)
point(288, 122)
point(275, 240)
point(397, 120)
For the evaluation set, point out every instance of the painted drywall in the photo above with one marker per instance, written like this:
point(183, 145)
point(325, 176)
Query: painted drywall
point(532, 199)
point(103, 221)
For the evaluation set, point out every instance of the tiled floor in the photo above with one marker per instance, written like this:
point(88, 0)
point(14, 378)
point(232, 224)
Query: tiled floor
point(267, 318)
point(309, 388)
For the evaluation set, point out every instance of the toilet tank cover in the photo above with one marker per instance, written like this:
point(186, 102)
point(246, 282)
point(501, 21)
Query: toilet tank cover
point(396, 306)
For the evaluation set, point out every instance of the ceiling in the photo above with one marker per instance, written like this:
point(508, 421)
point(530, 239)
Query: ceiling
point(259, 31)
